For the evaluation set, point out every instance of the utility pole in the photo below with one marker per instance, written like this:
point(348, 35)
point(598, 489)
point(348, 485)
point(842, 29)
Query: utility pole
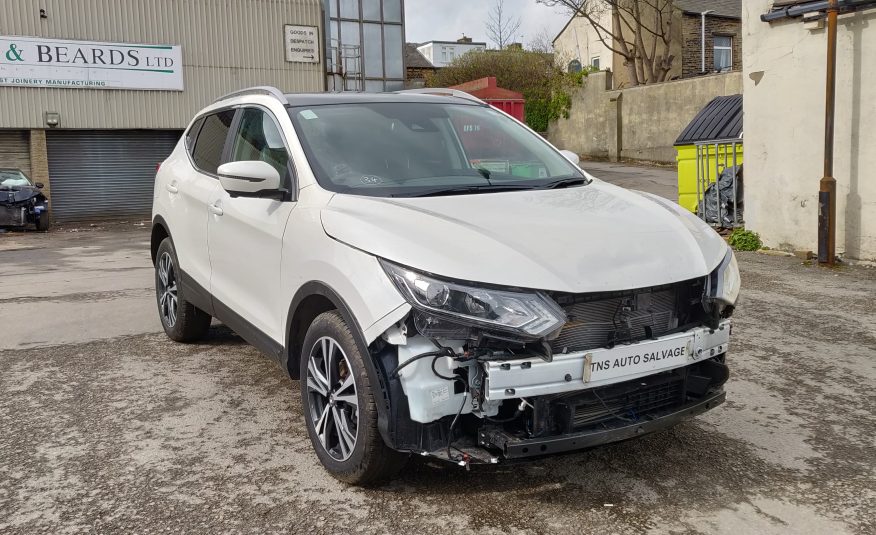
point(827, 186)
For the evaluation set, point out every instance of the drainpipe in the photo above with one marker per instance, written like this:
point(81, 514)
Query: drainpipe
point(827, 186)
point(703, 39)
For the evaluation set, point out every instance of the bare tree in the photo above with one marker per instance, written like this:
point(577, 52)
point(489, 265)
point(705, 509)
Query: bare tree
point(542, 42)
point(640, 31)
point(501, 29)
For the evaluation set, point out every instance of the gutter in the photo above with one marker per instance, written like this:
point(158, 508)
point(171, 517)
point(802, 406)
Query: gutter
point(798, 10)
point(703, 39)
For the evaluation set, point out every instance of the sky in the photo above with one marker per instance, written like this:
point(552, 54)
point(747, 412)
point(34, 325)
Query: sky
point(447, 20)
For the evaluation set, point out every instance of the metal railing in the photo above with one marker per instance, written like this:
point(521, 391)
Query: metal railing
point(718, 157)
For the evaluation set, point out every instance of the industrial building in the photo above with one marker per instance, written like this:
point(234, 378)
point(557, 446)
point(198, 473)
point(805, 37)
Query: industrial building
point(95, 93)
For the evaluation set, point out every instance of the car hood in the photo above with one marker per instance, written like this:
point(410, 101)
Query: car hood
point(584, 239)
point(22, 193)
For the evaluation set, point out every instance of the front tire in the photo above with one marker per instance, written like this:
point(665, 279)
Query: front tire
point(182, 321)
point(339, 406)
point(42, 222)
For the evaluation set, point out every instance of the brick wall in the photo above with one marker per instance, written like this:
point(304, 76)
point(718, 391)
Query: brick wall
point(39, 164)
point(416, 77)
point(691, 49)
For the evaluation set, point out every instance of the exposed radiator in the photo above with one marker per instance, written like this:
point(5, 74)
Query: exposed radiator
point(598, 323)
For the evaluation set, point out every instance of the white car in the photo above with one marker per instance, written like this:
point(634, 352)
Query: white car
point(442, 280)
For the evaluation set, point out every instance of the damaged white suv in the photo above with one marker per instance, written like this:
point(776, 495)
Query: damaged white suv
point(442, 281)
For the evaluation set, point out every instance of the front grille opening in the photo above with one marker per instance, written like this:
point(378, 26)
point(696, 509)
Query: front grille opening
point(622, 403)
point(625, 405)
point(605, 319)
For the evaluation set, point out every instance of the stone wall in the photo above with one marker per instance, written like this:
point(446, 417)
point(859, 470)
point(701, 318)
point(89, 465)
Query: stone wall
point(639, 123)
point(691, 60)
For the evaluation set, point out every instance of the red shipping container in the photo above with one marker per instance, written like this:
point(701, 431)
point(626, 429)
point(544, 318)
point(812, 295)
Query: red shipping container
point(511, 102)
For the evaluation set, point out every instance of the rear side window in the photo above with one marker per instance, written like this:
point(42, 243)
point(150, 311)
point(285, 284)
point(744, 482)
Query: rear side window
point(207, 153)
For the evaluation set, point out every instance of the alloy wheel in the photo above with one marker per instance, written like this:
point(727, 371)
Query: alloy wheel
point(332, 399)
point(168, 300)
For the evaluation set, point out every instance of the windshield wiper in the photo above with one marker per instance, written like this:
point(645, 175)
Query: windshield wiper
point(566, 182)
point(466, 190)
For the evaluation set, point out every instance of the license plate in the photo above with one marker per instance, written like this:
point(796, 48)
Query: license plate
point(620, 361)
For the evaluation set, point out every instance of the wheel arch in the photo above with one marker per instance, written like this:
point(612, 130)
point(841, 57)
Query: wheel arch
point(160, 231)
point(311, 300)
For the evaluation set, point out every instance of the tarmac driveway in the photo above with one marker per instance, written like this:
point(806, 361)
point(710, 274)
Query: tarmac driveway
point(107, 426)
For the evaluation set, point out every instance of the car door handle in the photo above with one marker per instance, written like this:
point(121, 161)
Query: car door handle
point(215, 209)
point(172, 188)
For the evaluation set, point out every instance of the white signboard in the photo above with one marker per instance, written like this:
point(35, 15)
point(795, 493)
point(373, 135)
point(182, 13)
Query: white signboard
point(302, 43)
point(38, 62)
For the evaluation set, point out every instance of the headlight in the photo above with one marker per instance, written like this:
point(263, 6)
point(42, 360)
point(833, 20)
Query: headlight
point(532, 315)
point(724, 282)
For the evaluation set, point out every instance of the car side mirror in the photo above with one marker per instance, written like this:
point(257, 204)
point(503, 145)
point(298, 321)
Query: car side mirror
point(571, 156)
point(39, 185)
point(250, 178)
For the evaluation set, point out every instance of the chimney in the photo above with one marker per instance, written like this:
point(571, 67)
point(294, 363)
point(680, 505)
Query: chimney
point(464, 39)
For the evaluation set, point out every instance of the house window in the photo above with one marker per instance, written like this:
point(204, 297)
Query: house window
point(723, 53)
point(594, 62)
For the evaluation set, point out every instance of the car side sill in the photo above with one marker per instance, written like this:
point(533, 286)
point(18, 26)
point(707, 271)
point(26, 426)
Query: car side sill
point(201, 298)
point(195, 293)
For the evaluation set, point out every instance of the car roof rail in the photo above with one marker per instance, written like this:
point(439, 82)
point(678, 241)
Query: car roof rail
point(260, 90)
point(444, 92)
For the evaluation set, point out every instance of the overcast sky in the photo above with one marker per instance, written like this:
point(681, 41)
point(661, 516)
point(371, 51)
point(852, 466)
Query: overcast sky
point(447, 20)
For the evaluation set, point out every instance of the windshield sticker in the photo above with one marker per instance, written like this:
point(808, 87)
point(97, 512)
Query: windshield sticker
point(493, 166)
point(529, 170)
point(308, 114)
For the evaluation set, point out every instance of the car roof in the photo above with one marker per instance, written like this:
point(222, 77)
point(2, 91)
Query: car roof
point(320, 99)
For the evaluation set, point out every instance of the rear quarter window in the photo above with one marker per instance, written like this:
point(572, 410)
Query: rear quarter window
point(192, 134)
point(207, 152)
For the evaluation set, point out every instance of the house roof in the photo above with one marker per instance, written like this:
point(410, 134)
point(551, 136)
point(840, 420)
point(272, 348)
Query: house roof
point(487, 89)
point(720, 119)
point(721, 8)
point(415, 60)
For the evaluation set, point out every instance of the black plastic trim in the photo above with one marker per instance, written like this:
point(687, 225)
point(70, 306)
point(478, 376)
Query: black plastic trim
point(158, 221)
point(320, 288)
point(201, 298)
point(249, 332)
point(196, 294)
point(514, 448)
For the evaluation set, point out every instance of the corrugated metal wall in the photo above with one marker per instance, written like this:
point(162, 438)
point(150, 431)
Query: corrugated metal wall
point(226, 45)
point(105, 174)
point(15, 150)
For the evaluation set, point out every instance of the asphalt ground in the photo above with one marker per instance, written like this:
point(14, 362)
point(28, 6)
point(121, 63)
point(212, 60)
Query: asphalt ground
point(106, 426)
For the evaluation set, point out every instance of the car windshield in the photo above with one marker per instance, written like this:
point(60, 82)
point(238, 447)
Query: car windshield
point(404, 149)
point(12, 178)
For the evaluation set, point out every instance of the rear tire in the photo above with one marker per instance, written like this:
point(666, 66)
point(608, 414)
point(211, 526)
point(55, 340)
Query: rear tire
point(182, 321)
point(340, 408)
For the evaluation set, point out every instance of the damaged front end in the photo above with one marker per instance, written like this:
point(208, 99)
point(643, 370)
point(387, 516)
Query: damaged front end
point(475, 374)
point(23, 206)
